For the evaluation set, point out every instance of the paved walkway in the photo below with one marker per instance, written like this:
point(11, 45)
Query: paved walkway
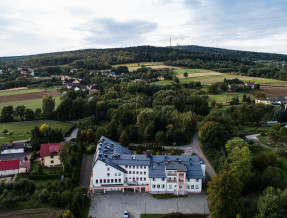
point(72, 136)
point(113, 204)
point(86, 170)
point(254, 138)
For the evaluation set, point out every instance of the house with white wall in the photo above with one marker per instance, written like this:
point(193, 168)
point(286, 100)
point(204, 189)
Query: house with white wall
point(116, 168)
point(49, 154)
point(12, 148)
point(9, 167)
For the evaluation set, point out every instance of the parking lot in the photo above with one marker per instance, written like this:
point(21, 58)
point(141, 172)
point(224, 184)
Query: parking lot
point(113, 204)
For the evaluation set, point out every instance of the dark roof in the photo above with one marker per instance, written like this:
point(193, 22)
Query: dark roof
point(9, 164)
point(175, 165)
point(17, 145)
point(25, 164)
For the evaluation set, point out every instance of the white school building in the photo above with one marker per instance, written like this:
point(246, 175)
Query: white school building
point(115, 168)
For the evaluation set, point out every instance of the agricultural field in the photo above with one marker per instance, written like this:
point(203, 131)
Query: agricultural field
point(275, 91)
point(225, 97)
point(153, 65)
point(30, 98)
point(209, 77)
point(21, 130)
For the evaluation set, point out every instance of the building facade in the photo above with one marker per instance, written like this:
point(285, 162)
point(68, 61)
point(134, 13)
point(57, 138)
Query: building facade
point(49, 154)
point(115, 168)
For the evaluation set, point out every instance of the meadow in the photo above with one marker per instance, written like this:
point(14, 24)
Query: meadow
point(21, 130)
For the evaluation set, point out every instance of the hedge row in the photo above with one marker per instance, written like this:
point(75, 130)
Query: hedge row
point(49, 176)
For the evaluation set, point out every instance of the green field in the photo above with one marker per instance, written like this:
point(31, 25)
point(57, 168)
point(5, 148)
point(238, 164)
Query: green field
point(225, 97)
point(181, 71)
point(21, 130)
point(32, 104)
point(209, 79)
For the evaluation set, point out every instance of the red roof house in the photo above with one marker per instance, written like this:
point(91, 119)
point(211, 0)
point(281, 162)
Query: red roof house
point(49, 154)
point(9, 167)
point(50, 149)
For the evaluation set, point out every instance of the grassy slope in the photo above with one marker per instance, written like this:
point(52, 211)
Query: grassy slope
point(32, 104)
point(21, 130)
point(139, 64)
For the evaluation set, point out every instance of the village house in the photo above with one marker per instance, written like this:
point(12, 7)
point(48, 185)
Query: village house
point(249, 84)
point(160, 78)
point(49, 154)
point(94, 91)
point(24, 166)
point(116, 168)
point(275, 101)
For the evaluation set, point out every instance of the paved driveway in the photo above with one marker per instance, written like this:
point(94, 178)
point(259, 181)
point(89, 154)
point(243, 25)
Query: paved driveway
point(86, 170)
point(113, 204)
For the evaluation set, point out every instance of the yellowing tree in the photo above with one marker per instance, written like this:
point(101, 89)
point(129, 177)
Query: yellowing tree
point(44, 127)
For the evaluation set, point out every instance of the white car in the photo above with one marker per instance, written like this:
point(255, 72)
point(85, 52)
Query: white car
point(126, 214)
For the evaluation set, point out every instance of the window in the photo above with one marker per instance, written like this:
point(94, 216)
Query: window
point(115, 174)
point(153, 179)
point(162, 179)
point(52, 161)
point(130, 167)
point(137, 178)
point(116, 180)
point(100, 181)
point(153, 186)
point(196, 186)
point(96, 181)
point(108, 174)
point(144, 167)
point(104, 181)
point(119, 174)
point(112, 180)
point(144, 173)
point(137, 172)
point(144, 179)
point(141, 167)
point(126, 166)
point(134, 167)
point(108, 169)
point(187, 186)
point(188, 180)
point(51, 156)
point(192, 187)
point(133, 172)
point(158, 186)
point(197, 180)
point(162, 186)
point(130, 172)
point(170, 186)
point(180, 187)
point(137, 167)
point(141, 172)
point(120, 180)
point(108, 181)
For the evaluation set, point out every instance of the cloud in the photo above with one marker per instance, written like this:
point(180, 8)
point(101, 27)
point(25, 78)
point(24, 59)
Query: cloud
point(109, 31)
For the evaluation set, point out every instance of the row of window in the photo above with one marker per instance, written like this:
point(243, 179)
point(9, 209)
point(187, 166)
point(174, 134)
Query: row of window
point(137, 172)
point(116, 174)
point(137, 178)
point(158, 186)
point(108, 181)
point(135, 167)
point(153, 179)
point(180, 187)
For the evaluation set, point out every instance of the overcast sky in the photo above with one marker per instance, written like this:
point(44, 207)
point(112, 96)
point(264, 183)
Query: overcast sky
point(38, 26)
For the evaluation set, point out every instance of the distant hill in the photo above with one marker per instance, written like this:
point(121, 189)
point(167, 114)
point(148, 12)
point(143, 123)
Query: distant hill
point(247, 55)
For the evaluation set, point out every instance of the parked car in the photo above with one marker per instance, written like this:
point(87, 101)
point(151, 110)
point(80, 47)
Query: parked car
point(126, 214)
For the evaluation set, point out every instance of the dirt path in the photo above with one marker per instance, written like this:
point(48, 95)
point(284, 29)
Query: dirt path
point(254, 138)
point(28, 96)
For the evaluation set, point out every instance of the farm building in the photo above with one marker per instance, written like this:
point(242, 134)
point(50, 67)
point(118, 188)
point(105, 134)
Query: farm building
point(9, 167)
point(15, 148)
point(24, 166)
point(49, 154)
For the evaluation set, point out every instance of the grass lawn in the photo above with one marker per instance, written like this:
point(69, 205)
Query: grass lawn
point(21, 91)
point(225, 97)
point(44, 183)
point(21, 130)
point(181, 71)
point(264, 140)
point(31, 104)
point(165, 196)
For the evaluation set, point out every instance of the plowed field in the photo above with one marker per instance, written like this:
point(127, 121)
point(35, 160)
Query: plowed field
point(278, 92)
point(28, 96)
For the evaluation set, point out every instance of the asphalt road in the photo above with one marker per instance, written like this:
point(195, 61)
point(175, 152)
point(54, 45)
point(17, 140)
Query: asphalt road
point(72, 136)
point(86, 170)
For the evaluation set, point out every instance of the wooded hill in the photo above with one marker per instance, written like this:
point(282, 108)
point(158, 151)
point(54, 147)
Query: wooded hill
point(248, 55)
